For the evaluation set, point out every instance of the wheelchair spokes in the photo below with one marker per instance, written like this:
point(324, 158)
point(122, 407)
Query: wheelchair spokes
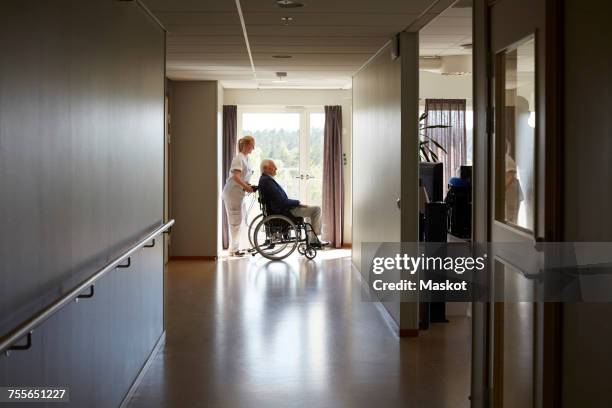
point(276, 237)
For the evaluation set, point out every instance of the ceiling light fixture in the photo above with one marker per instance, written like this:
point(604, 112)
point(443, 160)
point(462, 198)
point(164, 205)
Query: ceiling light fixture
point(289, 4)
point(282, 77)
point(286, 20)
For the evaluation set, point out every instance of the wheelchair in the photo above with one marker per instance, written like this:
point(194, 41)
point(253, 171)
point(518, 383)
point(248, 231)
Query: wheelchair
point(276, 236)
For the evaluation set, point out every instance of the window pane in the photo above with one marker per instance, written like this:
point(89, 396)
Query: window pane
point(518, 131)
point(315, 159)
point(469, 136)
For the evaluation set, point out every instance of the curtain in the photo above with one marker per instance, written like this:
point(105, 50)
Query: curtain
point(333, 184)
point(450, 112)
point(230, 138)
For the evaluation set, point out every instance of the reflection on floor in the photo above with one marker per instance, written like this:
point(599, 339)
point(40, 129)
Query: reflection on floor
point(251, 333)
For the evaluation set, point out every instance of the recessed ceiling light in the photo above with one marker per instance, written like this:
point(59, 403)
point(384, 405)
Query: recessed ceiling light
point(286, 20)
point(289, 4)
point(282, 56)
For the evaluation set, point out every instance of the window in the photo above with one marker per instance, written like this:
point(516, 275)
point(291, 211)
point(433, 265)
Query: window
point(515, 141)
point(293, 138)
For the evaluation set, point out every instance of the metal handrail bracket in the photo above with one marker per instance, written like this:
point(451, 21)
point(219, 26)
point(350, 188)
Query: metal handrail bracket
point(26, 328)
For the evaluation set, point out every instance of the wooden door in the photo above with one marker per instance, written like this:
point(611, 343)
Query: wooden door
point(516, 181)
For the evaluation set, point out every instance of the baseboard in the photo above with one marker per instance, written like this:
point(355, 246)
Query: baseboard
point(193, 258)
point(384, 313)
point(409, 333)
point(347, 246)
point(143, 371)
point(382, 310)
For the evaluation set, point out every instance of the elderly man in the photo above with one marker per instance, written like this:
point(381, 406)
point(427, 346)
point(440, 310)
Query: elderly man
point(279, 203)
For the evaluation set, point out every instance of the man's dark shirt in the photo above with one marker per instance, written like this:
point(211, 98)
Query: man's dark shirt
point(275, 196)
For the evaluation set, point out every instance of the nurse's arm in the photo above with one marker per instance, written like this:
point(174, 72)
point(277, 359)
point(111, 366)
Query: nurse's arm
point(237, 175)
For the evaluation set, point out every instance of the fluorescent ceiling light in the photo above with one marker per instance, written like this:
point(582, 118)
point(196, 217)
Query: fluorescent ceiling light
point(289, 4)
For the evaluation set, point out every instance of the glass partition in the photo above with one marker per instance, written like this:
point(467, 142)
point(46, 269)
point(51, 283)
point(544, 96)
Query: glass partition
point(516, 135)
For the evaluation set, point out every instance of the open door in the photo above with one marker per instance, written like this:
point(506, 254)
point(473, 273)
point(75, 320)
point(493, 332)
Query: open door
point(513, 223)
point(519, 188)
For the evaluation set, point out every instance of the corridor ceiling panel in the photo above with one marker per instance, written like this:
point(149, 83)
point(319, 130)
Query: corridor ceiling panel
point(448, 33)
point(319, 45)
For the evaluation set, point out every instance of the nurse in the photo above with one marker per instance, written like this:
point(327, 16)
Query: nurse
point(236, 186)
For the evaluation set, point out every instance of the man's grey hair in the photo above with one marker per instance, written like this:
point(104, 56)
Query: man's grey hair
point(264, 164)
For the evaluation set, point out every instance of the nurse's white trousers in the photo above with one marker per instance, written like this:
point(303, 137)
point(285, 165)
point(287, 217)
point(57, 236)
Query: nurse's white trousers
point(235, 208)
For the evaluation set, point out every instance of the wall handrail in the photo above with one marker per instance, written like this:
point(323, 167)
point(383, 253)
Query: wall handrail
point(25, 329)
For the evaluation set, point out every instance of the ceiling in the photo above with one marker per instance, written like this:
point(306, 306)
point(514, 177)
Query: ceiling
point(328, 40)
point(446, 34)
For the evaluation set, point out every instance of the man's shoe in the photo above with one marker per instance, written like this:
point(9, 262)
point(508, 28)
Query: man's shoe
point(237, 254)
point(320, 244)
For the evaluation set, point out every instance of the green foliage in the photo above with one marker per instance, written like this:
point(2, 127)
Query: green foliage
point(426, 152)
point(282, 146)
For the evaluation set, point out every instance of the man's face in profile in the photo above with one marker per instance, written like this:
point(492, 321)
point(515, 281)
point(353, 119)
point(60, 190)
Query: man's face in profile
point(271, 169)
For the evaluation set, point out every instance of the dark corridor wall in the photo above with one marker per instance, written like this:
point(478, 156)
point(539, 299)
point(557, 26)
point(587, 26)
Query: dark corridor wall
point(81, 178)
point(587, 327)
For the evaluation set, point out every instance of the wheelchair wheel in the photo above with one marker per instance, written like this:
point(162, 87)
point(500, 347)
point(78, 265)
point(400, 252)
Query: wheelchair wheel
point(302, 248)
point(310, 253)
point(275, 237)
point(252, 227)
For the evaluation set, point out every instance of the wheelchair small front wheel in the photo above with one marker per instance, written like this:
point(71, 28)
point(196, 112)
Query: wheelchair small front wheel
point(302, 248)
point(310, 253)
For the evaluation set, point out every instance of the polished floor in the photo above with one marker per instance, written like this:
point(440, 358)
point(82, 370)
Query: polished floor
point(252, 333)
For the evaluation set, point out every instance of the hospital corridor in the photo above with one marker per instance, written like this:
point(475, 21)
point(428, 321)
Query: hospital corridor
point(305, 203)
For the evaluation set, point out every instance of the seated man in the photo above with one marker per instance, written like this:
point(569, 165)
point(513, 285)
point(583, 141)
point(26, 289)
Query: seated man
point(279, 203)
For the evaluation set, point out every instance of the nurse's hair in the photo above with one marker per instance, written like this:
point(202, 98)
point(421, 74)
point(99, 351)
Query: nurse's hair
point(245, 140)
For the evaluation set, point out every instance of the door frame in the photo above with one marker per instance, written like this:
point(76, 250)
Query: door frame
point(167, 172)
point(547, 375)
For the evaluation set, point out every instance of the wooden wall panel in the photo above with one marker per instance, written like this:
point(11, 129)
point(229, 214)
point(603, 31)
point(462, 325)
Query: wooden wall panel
point(195, 182)
point(385, 161)
point(81, 178)
point(409, 54)
point(377, 156)
point(587, 193)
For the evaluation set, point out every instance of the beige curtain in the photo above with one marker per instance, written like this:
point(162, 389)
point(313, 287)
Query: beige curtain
point(333, 184)
point(449, 112)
